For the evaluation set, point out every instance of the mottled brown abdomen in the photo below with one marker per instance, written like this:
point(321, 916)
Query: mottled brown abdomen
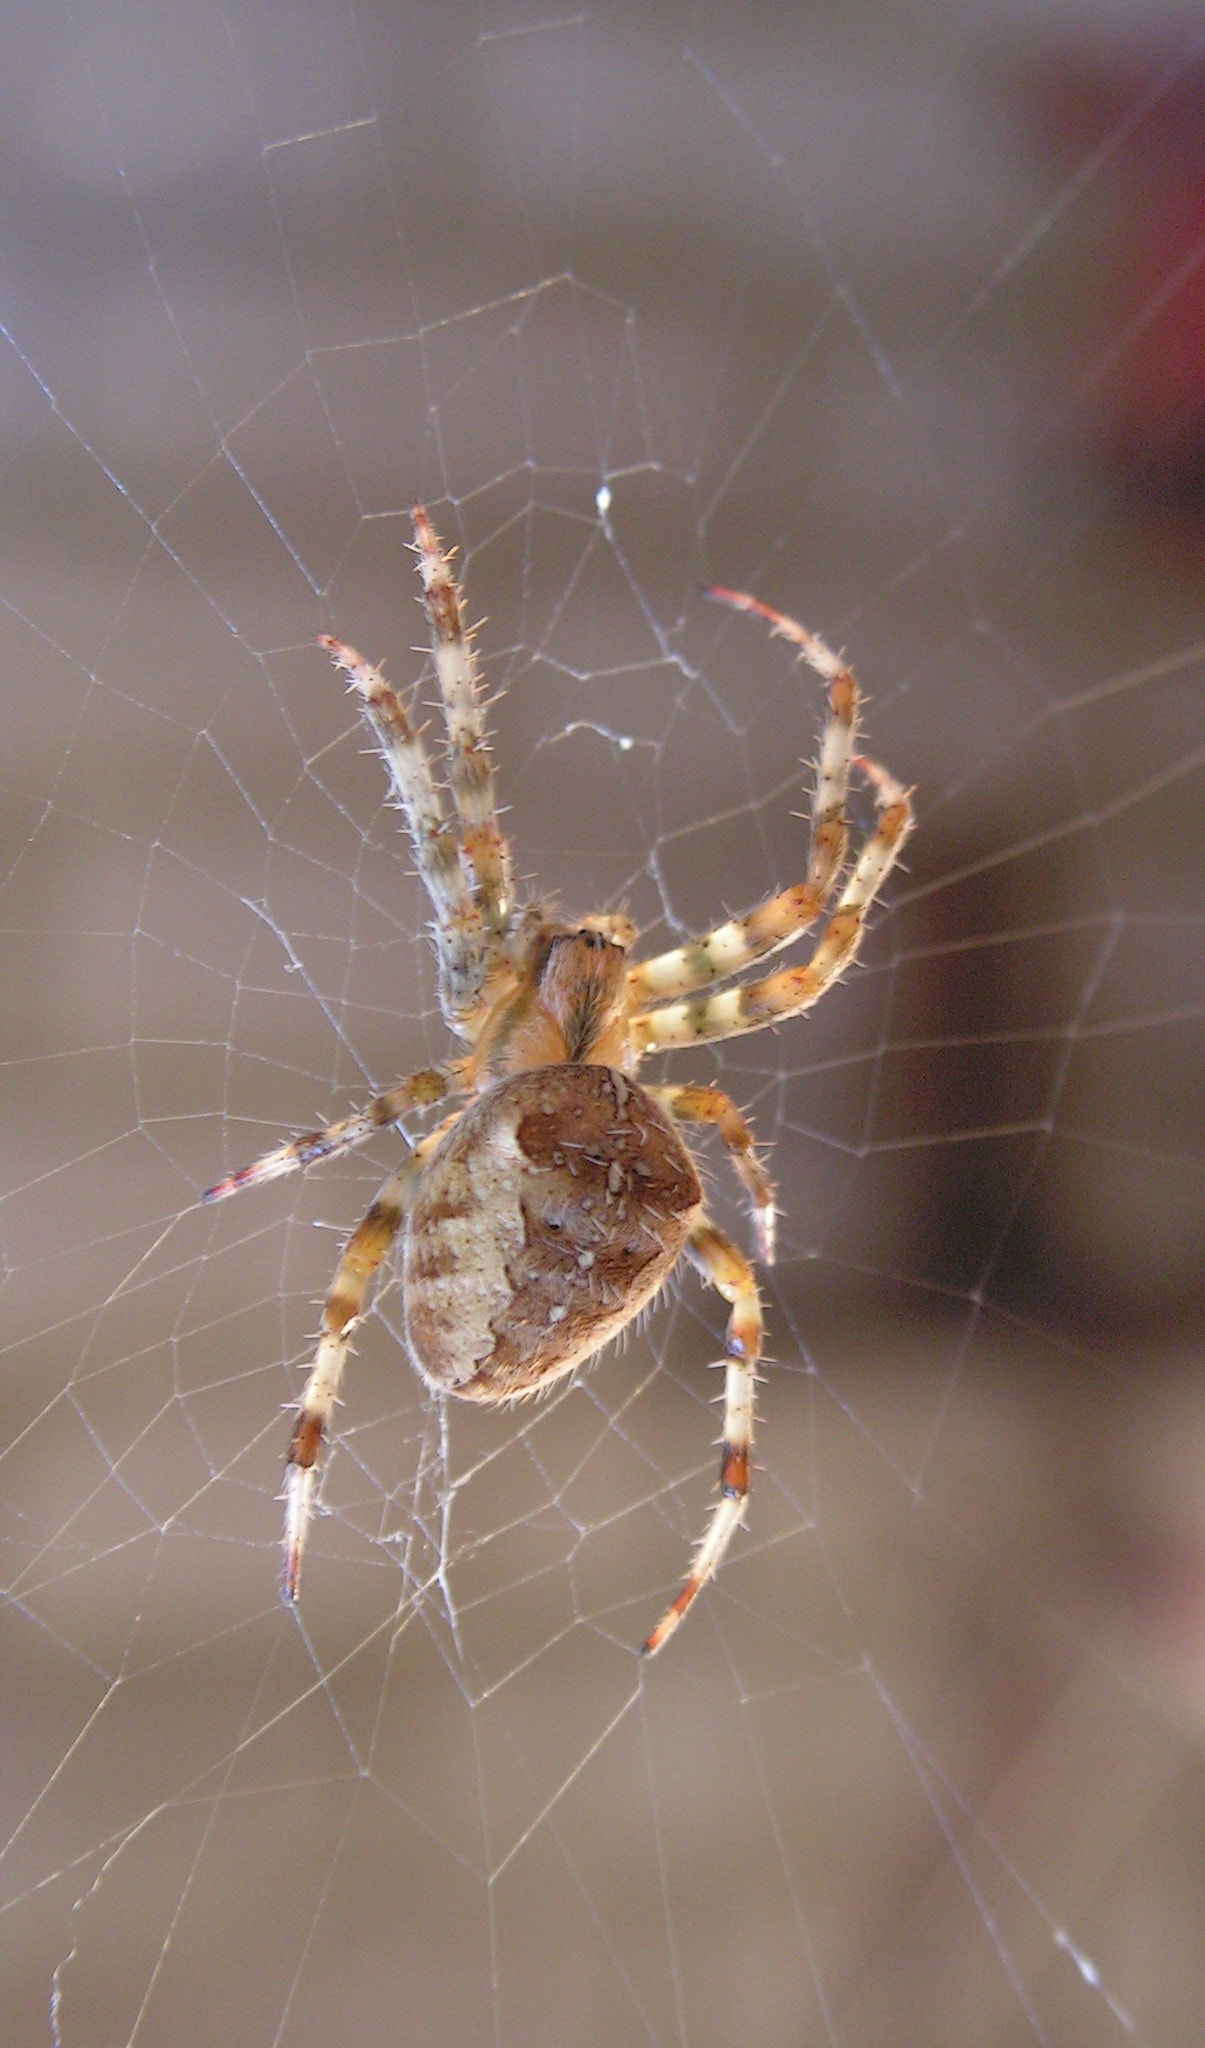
point(552, 1212)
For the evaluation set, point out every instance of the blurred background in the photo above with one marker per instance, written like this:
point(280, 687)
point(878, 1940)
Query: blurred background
point(895, 316)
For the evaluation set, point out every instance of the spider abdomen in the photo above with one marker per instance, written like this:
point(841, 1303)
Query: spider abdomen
point(554, 1209)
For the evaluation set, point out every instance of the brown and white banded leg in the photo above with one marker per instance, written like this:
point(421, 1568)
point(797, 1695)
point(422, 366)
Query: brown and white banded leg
point(728, 1013)
point(719, 1261)
point(418, 1091)
point(460, 940)
point(470, 770)
point(783, 918)
point(695, 1104)
point(362, 1255)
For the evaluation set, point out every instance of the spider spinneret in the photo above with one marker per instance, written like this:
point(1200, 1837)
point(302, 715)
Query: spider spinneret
point(539, 1219)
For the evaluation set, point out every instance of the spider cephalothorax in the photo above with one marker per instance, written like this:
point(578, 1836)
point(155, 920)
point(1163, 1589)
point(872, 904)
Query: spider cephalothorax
point(540, 1218)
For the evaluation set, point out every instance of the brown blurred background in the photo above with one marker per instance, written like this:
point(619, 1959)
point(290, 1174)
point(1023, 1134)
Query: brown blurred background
point(895, 316)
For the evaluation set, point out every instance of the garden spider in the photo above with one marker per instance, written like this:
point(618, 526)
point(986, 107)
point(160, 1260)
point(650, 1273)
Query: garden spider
point(541, 1217)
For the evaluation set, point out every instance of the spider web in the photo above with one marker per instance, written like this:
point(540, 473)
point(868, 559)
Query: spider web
point(878, 314)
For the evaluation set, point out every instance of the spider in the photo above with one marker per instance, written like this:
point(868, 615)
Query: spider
point(540, 1217)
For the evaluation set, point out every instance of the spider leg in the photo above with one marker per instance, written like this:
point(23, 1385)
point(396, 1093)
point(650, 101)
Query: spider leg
point(730, 1012)
point(470, 770)
point(460, 941)
point(719, 1261)
point(367, 1246)
point(783, 918)
point(418, 1091)
point(709, 1105)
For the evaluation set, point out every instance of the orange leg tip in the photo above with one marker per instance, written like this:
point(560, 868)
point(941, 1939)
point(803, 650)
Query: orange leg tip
point(663, 1630)
point(670, 1619)
point(738, 600)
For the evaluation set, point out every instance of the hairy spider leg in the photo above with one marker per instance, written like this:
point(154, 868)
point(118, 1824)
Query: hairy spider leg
point(729, 1271)
point(783, 918)
point(729, 1013)
point(703, 1104)
point(470, 768)
point(418, 1091)
point(461, 946)
point(342, 1311)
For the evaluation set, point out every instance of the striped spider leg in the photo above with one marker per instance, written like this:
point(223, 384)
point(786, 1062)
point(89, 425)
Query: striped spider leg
point(688, 970)
point(727, 1270)
point(465, 865)
point(366, 1248)
point(418, 1091)
point(692, 969)
point(693, 1104)
point(783, 918)
point(483, 848)
point(729, 1013)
